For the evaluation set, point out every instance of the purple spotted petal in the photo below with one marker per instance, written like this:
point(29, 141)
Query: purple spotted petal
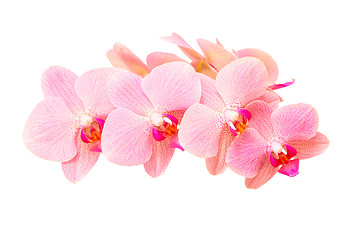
point(283, 85)
point(245, 113)
point(273, 161)
point(291, 151)
point(172, 118)
point(290, 169)
point(158, 135)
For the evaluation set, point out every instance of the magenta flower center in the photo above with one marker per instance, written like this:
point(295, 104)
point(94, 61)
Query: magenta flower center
point(237, 120)
point(283, 155)
point(91, 128)
point(164, 125)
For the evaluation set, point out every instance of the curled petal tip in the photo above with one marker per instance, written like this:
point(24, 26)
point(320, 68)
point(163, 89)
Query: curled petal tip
point(291, 151)
point(245, 113)
point(174, 143)
point(283, 85)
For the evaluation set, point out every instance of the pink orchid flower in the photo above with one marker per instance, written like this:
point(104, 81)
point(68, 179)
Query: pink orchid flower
point(216, 57)
point(275, 142)
point(269, 63)
point(144, 127)
point(120, 56)
point(67, 125)
point(208, 128)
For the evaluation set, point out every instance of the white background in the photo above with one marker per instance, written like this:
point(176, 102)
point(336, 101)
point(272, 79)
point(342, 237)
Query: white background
point(319, 43)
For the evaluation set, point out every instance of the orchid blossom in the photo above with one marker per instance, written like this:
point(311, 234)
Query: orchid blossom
point(208, 128)
point(214, 59)
point(269, 63)
point(144, 127)
point(275, 142)
point(120, 56)
point(67, 125)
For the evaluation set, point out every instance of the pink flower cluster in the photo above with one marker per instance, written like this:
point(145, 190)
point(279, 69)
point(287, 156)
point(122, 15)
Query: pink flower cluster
point(221, 106)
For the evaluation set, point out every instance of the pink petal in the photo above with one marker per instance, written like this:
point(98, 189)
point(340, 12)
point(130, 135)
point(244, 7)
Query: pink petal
point(245, 155)
point(121, 56)
point(172, 86)
point(282, 85)
point(126, 138)
point(268, 61)
point(217, 164)
point(215, 54)
point(156, 59)
point(59, 82)
point(178, 115)
point(50, 131)
point(272, 98)
point(242, 81)
point(81, 164)
point(200, 131)
point(160, 158)
point(183, 45)
point(218, 42)
point(290, 169)
point(261, 116)
point(91, 87)
point(209, 95)
point(295, 122)
point(311, 147)
point(205, 68)
point(124, 90)
point(266, 172)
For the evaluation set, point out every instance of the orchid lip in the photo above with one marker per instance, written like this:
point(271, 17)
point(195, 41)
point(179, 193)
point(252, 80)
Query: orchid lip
point(281, 155)
point(91, 128)
point(273, 161)
point(174, 143)
point(96, 148)
point(245, 113)
point(100, 122)
point(291, 151)
point(83, 137)
point(164, 125)
point(172, 118)
point(158, 135)
point(237, 120)
point(290, 169)
point(232, 128)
